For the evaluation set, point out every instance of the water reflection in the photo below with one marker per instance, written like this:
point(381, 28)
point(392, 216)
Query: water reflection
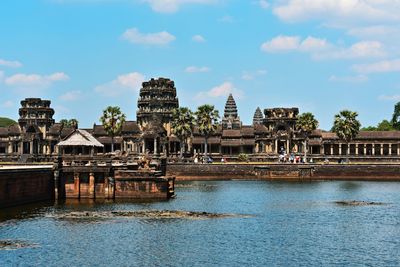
point(292, 224)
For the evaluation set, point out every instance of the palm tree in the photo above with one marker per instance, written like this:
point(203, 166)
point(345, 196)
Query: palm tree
point(207, 121)
point(346, 126)
point(306, 123)
point(112, 120)
point(69, 123)
point(182, 125)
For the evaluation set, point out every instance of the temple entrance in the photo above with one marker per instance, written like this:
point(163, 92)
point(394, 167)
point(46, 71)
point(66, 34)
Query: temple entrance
point(282, 147)
point(149, 146)
point(26, 149)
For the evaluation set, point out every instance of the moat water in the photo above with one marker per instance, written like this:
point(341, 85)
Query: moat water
point(288, 224)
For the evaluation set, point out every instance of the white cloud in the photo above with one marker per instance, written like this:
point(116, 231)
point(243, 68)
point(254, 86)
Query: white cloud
point(34, 80)
point(339, 10)
point(349, 79)
point(263, 4)
point(281, 43)
point(222, 90)
point(198, 39)
point(159, 38)
point(194, 69)
point(247, 75)
point(284, 43)
point(124, 83)
point(389, 97)
point(11, 64)
point(322, 49)
point(7, 104)
point(311, 44)
point(376, 31)
point(172, 6)
point(1, 75)
point(377, 67)
point(71, 96)
point(226, 19)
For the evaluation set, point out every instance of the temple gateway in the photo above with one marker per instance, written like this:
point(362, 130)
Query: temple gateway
point(272, 132)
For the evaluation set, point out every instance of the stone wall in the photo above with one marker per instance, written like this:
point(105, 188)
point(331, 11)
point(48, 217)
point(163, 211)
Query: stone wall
point(296, 172)
point(22, 186)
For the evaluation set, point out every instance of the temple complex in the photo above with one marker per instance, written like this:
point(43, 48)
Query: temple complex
point(272, 132)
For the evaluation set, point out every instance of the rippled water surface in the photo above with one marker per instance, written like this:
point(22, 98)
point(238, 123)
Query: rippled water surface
point(290, 224)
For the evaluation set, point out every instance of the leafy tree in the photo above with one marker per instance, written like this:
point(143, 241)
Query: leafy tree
point(207, 121)
point(396, 117)
point(112, 120)
point(306, 123)
point(69, 123)
point(182, 125)
point(369, 128)
point(346, 126)
point(385, 125)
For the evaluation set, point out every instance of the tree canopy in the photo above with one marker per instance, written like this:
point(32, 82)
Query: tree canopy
point(69, 123)
point(112, 120)
point(346, 125)
point(182, 124)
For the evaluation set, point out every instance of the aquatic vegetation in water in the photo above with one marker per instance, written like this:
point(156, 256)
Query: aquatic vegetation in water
point(143, 214)
point(9, 244)
point(358, 203)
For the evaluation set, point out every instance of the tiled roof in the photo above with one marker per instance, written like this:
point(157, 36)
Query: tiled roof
point(231, 133)
point(130, 127)
point(80, 138)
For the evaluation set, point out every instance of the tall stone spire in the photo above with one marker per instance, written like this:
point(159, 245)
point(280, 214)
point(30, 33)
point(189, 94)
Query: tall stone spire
point(258, 116)
point(230, 108)
point(231, 119)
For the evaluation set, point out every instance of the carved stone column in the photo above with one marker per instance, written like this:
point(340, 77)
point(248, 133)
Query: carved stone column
point(77, 190)
point(92, 193)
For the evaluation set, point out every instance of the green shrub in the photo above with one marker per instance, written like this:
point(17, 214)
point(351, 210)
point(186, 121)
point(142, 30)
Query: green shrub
point(243, 157)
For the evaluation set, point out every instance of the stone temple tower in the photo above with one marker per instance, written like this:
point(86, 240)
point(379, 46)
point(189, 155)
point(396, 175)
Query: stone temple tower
point(231, 119)
point(37, 113)
point(157, 99)
point(258, 116)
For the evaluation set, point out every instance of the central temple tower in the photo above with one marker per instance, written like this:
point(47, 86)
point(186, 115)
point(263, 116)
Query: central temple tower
point(157, 99)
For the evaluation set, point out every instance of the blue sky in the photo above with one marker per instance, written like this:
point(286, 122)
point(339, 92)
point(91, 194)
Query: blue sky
point(319, 55)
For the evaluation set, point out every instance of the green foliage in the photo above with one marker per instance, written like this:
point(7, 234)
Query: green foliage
point(69, 123)
point(384, 125)
point(396, 117)
point(307, 123)
point(5, 122)
point(182, 124)
point(369, 128)
point(207, 119)
point(243, 157)
point(346, 126)
point(112, 120)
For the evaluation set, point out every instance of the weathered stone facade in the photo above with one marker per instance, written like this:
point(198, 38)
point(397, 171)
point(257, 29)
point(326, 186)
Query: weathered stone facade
point(273, 132)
